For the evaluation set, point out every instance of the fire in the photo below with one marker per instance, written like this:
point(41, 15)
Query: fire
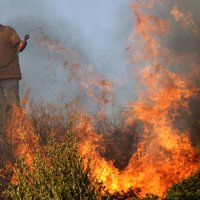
point(89, 143)
point(21, 135)
point(185, 19)
point(165, 155)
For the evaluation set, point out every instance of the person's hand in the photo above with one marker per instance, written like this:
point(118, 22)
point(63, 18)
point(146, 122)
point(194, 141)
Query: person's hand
point(22, 46)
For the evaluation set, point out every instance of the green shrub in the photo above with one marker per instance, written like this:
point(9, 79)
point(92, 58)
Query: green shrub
point(56, 174)
point(188, 189)
point(130, 195)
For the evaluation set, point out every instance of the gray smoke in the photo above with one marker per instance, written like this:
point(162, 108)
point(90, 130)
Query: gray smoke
point(45, 76)
point(42, 72)
point(183, 40)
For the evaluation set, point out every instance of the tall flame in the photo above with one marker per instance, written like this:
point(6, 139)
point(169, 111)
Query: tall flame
point(165, 154)
point(20, 133)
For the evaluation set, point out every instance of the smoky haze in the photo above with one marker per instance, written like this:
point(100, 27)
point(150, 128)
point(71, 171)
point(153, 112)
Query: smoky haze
point(43, 71)
point(46, 77)
point(44, 74)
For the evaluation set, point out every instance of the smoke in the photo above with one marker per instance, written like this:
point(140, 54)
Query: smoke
point(42, 70)
point(185, 40)
point(103, 48)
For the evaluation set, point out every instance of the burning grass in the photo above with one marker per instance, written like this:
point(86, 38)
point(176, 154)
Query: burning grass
point(93, 157)
point(56, 173)
point(73, 159)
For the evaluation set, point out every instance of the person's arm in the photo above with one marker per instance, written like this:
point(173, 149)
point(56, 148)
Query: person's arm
point(16, 41)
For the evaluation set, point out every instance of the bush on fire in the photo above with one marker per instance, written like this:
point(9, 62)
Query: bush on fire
point(57, 174)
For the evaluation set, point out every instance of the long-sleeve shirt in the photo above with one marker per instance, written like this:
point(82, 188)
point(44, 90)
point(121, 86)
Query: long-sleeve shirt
point(9, 61)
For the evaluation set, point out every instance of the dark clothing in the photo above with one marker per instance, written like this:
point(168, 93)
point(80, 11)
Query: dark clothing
point(9, 41)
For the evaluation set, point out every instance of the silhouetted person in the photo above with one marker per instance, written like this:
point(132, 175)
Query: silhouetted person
point(10, 74)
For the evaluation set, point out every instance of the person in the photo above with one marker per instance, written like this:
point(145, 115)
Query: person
point(10, 74)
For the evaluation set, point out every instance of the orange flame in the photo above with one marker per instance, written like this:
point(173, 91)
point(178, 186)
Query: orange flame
point(21, 135)
point(186, 19)
point(165, 155)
